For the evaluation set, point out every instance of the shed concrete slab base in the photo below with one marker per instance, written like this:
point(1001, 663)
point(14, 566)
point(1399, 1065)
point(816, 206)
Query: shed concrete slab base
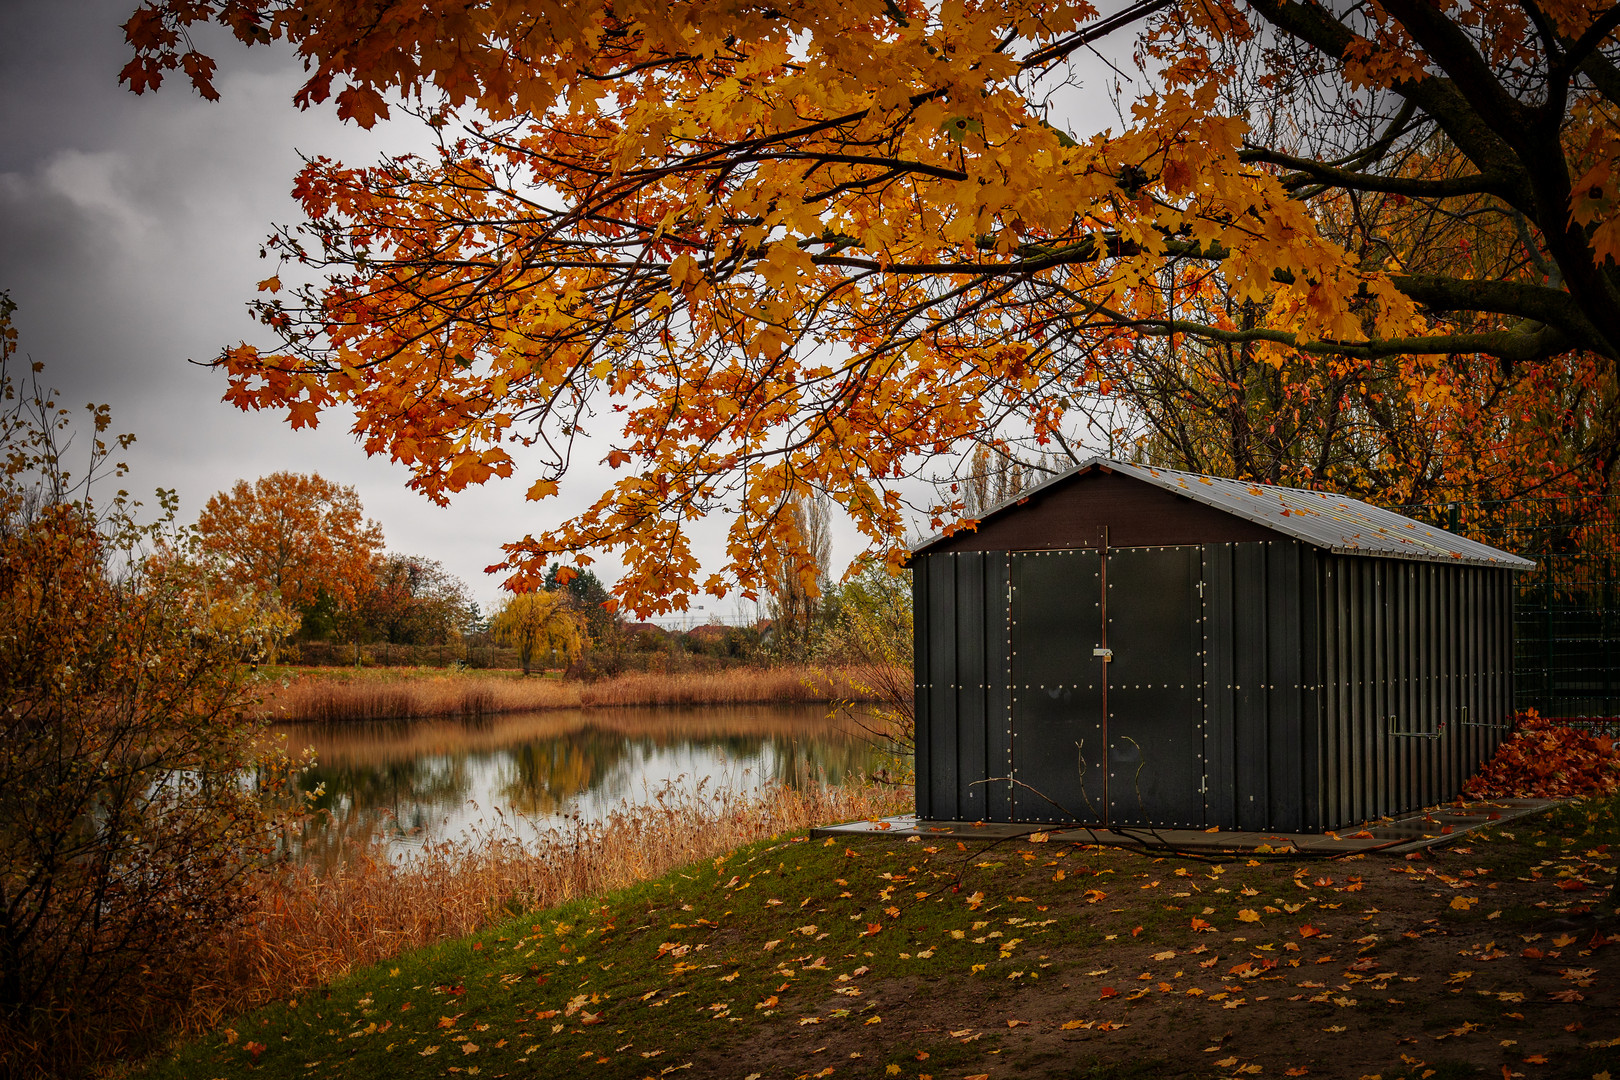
point(1409, 832)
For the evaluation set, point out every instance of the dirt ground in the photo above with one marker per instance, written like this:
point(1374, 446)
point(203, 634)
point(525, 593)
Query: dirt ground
point(1469, 960)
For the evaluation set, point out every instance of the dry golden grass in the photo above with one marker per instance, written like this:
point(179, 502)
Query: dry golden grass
point(786, 685)
point(320, 698)
point(311, 926)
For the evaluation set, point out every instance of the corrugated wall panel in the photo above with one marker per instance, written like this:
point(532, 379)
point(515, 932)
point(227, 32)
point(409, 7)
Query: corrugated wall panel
point(1429, 714)
point(1402, 784)
point(971, 665)
point(1311, 698)
point(1261, 704)
point(1392, 649)
point(944, 721)
point(1408, 646)
point(1220, 794)
point(998, 689)
point(1450, 706)
point(1468, 682)
point(1249, 734)
point(1286, 809)
point(921, 673)
point(1338, 683)
point(1363, 645)
point(962, 696)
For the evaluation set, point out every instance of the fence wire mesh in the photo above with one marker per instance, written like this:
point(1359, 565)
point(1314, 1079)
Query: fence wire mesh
point(1567, 610)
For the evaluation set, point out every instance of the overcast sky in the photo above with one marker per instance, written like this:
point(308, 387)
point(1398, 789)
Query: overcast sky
point(129, 238)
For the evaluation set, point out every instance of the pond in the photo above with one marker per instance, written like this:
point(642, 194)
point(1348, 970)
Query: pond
point(407, 782)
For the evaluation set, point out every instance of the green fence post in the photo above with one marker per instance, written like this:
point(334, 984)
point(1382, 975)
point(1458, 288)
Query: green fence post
point(1547, 640)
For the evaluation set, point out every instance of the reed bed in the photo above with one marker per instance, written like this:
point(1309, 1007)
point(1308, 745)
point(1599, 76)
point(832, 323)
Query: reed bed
point(310, 926)
point(327, 699)
point(786, 685)
point(320, 699)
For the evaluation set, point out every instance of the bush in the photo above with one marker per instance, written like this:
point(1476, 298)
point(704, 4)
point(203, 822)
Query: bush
point(384, 654)
point(127, 837)
point(595, 664)
point(128, 832)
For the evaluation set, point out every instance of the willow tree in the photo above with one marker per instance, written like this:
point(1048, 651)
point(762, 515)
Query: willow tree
point(799, 247)
point(538, 625)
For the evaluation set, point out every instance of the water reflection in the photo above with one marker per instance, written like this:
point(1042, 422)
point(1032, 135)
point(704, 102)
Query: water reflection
point(411, 781)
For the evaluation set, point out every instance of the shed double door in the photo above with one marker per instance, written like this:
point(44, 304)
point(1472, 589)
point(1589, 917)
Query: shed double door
point(1107, 686)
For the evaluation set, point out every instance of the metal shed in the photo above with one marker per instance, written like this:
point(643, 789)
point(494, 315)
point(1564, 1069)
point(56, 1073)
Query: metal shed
point(1129, 646)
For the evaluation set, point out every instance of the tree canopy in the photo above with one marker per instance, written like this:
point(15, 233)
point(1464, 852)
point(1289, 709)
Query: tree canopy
point(540, 626)
point(294, 535)
point(800, 247)
point(414, 600)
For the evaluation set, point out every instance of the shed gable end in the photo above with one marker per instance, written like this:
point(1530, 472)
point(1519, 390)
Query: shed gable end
point(1074, 515)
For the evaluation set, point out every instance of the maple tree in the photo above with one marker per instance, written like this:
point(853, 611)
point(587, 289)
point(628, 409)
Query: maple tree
point(797, 248)
point(297, 536)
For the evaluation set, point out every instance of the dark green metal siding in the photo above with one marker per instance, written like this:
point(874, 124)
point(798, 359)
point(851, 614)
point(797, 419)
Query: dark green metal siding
point(1306, 656)
point(1260, 667)
point(960, 635)
point(1417, 666)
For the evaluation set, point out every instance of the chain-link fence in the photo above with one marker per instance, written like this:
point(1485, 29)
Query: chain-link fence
point(1567, 610)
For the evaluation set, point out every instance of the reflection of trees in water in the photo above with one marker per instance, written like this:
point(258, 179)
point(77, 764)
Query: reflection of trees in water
point(392, 799)
point(388, 787)
point(542, 776)
point(829, 761)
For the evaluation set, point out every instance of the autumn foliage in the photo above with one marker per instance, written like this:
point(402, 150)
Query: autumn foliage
point(292, 535)
point(1544, 759)
point(541, 626)
point(792, 249)
point(127, 839)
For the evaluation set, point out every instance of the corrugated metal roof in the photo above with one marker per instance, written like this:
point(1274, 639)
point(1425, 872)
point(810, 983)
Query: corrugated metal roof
point(1320, 518)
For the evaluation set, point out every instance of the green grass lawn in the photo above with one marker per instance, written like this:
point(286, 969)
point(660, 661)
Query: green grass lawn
point(1499, 956)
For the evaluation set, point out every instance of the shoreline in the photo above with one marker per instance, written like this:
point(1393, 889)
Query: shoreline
point(312, 696)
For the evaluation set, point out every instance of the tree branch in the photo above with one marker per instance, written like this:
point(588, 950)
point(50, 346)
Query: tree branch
point(1315, 172)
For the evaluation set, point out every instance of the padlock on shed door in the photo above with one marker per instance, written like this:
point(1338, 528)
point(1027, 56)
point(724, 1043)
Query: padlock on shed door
point(1106, 654)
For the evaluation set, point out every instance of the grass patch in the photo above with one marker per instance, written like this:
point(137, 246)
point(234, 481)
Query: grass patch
point(877, 957)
